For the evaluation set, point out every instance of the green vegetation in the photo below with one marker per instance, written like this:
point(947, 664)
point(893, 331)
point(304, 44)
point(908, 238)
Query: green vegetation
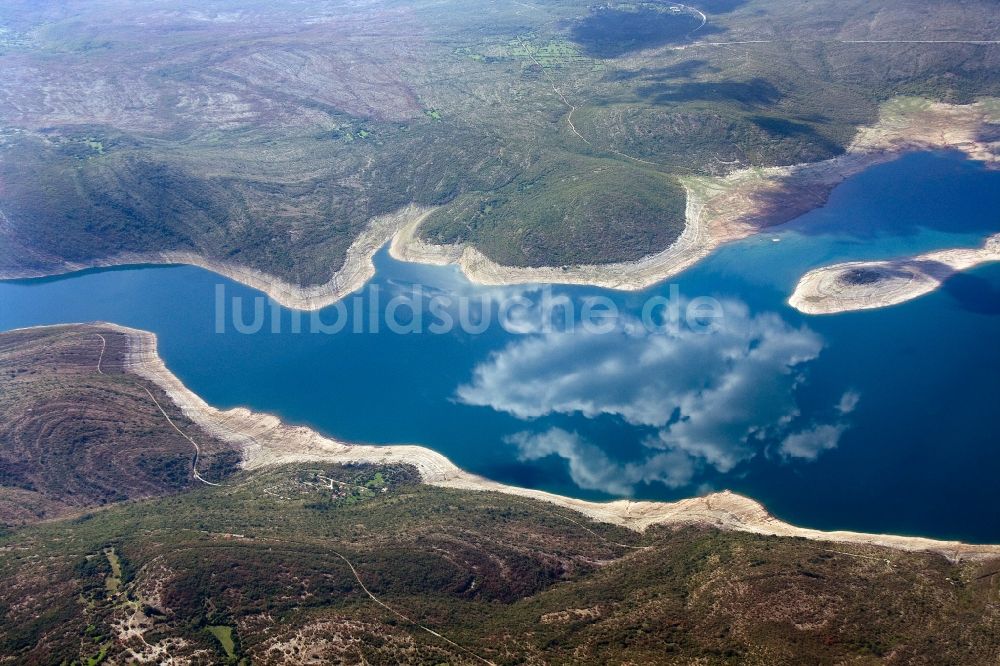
point(248, 570)
point(113, 581)
point(97, 658)
point(276, 565)
point(271, 143)
point(565, 211)
point(224, 634)
point(95, 145)
point(553, 53)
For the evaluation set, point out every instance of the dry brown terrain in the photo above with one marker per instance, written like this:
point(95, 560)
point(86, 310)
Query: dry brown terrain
point(322, 552)
point(78, 431)
point(266, 442)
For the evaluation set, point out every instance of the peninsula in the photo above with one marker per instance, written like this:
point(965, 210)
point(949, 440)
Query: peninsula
point(265, 441)
point(314, 550)
point(718, 209)
point(543, 143)
point(865, 285)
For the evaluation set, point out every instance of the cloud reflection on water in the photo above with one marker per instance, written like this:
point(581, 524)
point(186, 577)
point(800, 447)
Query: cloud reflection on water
point(714, 399)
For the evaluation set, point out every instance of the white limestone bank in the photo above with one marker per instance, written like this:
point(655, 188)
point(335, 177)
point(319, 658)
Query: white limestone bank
point(266, 441)
point(718, 210)
point(724, 209)
point(866, 285)
point(355, 272)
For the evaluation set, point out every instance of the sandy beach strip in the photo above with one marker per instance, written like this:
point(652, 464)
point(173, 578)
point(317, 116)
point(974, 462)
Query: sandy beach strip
point(867, 285)
point(265, 441)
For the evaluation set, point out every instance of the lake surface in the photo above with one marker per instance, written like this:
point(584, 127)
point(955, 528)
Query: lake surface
point(880, 421)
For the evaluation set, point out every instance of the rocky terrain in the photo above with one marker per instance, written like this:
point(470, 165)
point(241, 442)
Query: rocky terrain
point(865, 285)
point(77, 431)
point(339, 560)
point(263, 139)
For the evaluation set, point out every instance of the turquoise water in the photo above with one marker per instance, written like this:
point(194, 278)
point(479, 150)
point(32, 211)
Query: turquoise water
point(877, 421)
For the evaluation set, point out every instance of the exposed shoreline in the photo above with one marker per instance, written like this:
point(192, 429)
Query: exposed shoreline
point(718, 210)
point(725, 209)
point(266, 441)
point(357, 270)
point(867, 285)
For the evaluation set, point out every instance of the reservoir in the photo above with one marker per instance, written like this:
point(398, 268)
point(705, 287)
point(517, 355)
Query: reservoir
point(879, 421)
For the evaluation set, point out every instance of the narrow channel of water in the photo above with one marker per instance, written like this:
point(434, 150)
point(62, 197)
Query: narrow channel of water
point(877, 421)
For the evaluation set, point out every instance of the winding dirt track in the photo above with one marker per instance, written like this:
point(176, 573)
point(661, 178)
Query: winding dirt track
point(104, 346)
point(406, 618)
point(197, 449)
point(555, 89)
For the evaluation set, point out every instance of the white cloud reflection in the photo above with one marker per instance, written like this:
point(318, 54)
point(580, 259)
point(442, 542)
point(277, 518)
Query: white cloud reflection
point(808, 444)
point(715, 400)
point(590, 467)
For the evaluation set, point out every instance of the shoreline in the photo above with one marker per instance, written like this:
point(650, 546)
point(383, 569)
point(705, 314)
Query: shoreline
point(357, 270)
point(831, 289)
point(718, 210)
point(724, 209)
point(265, 441)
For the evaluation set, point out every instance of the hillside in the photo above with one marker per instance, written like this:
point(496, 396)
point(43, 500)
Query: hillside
point(267, 136)
point(77, 432)
point(269, 556)
point(326, 563)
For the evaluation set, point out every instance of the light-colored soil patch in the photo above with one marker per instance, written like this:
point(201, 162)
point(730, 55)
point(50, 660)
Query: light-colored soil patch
point(866, 285)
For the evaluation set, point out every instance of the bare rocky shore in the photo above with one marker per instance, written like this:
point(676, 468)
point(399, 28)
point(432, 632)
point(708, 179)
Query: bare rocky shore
point(266, 441)
point(719, 210)
point(866, 285)
point(355, 272)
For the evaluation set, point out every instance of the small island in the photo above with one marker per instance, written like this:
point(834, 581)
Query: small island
point(864, 285)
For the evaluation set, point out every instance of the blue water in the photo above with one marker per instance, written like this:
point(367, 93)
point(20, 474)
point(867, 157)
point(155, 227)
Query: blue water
point(877, 421)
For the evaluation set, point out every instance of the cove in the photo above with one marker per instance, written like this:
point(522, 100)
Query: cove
point(880, 421)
